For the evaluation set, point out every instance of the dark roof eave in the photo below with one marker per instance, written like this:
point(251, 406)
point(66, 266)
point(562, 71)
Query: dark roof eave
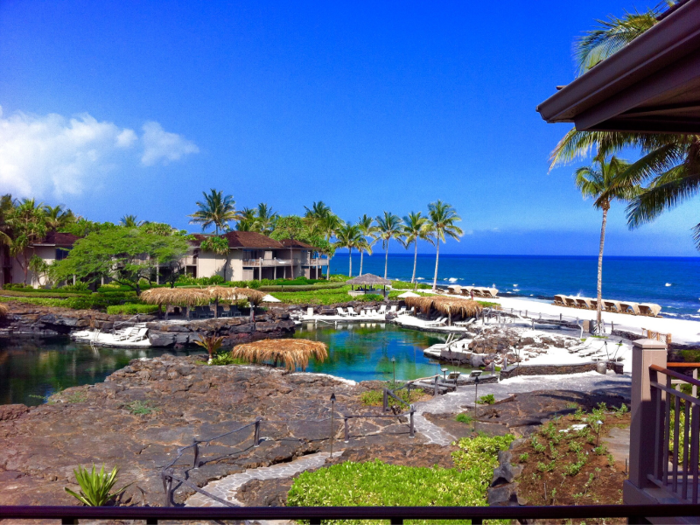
point(671, 39)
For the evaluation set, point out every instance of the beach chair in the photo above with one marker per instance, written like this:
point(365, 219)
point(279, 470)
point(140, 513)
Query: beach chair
point(489, 292)
point(363, 313)
point(583, 302)
point(612, 306)
point(341, 312)
point(594, 304)
point(467, 290)
point(310, 311)
point(351, 311)
point(650, 309)
point(570, 301)
point(393, 309)
point(629, 308)
point(560, 300)
point(382, 309)
point(454, 289)
point(440, 321)
point(402, 311)
point(466, 323)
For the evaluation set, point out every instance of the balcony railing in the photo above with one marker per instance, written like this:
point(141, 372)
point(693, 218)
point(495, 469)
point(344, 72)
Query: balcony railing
point(256, 263)
point(396, 515)
point(315, 262)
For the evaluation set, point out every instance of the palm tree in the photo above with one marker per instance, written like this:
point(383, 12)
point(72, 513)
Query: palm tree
point(216, 209)
point(669, 163)
point(328, 226)
point(604, 184)
point(266, 218)
point(349, 236)
point(247, 219)
point(27, 221)
point(416, 228)
point(130, 221)
point(57, 217)
point(442, 222)
point(389, 226)
point(367, 229)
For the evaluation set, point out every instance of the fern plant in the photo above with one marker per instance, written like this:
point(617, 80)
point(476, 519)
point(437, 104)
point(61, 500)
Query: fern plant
point(95, 486)
point(211, 344)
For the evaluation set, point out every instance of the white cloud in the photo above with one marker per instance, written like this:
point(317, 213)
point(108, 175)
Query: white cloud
point(159, 145)
point(51, 155)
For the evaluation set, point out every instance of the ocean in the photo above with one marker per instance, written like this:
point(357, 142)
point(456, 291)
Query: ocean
point(671, 282)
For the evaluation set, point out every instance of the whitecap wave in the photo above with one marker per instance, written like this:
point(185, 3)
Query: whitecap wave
point(515, 286)
point(452, 279)
point(669, 284)
point(516, 289)
point(420, 279)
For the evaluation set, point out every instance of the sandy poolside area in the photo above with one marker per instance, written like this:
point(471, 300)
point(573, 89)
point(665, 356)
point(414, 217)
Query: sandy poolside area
point(683, 331)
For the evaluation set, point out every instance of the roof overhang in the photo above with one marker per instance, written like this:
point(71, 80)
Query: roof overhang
point(652, 85)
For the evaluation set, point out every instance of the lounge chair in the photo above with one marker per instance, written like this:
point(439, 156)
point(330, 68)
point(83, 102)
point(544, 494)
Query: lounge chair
point(629, 307)
point(310, 311)
point(594, 304)
point(583, 302)
point(393, 308)
point(440, 321)
point(570, 301)
point(650, 309)
point(478, 292)
point(560, 300)
point(612, 306)
point(382, 309)
point(351, 311)
point(454, 289)
point(341, 312)
point(489, 292)
point(466, 323)
point(363, 313)
point(402, 311)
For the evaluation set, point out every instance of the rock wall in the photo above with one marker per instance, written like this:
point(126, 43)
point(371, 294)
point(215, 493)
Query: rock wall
point(234, 330)
point(44, 321)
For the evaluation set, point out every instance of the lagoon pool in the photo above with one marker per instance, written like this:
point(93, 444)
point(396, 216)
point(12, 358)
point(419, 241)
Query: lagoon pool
point(33, 369)
point(363, 351)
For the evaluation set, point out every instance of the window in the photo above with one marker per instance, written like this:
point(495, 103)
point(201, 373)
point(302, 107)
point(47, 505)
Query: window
point(62, 253)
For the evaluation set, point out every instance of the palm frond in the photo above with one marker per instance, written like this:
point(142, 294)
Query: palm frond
point(667, 191)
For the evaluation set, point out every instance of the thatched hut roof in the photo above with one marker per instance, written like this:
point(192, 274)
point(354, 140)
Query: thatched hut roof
point(224, 293)
point(178, 296)
point(4, 310)
point(368, 278)
point(445, 305)
point(294, 353)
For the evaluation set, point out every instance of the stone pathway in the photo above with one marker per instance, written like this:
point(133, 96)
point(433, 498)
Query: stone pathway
point(227, 487)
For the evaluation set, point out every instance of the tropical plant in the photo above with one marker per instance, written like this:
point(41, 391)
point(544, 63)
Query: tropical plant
point(95, 486)
point(349, 236)
point(367, 229)
point(442, 223)
point(389, 226)
point(247, 218)
point(57, 217)
point(211, 344)
point(216, 209)
point(327, 227)
point(130, 221)
point(27, 220)
point(265, 220)
point(604, 184)
point(416, 227)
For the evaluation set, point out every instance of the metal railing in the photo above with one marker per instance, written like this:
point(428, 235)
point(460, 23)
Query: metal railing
point(268, 262)
point(396, 515)
point(677, 435)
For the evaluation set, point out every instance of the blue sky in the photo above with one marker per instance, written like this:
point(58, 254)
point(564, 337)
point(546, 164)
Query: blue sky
point(125, 107)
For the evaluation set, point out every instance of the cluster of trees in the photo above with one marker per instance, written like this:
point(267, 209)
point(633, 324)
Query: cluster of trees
point(126, 252)
point(667, 172)
point(322, 228)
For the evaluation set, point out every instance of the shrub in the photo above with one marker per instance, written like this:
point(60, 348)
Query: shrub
point(300, 287)
point(78, 287)
point(132, 309)
point(488, 399)
point(402, 285)
point(96, 486)
point(39, 293)
point(464, 418)
point(378, 484)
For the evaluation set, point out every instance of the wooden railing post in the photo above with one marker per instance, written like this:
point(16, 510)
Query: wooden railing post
point(436, 386)
point(347, 429)
point(643, 437)
point(167, 487)
point(412, 431)
point(256, 435)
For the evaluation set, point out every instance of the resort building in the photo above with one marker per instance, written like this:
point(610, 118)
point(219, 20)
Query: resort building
point(54, 247)
point(254, 256)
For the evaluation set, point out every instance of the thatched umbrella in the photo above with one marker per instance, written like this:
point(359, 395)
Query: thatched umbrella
point(188, 297)
point(225, 293)
point(4, 310)
point(369, 279)
point(293, 352)
point(445, 305)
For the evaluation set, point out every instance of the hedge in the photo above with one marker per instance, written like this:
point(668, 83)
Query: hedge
point(301, 288)
point(132, 309)
point(48, 294)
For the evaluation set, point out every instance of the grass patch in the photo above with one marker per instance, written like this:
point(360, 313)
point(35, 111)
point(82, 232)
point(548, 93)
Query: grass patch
point(141, 408)
point(464, 418)
point(488, 399)
point(378, 484)
point(375, 398)
point(132, 309)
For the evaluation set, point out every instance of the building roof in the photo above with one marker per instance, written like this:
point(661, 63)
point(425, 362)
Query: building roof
point(368, 278)
point(245, 240)
point(651, 85)
point(55, 238)
point(293, 243)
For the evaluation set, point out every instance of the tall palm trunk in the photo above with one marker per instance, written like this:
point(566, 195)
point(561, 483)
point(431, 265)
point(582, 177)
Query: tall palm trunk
point(362, 254)
point(437, 259)
point(599, 316)
point(291, 263)
point(386, 259)
point(328, 270)
point(415, 260)
point(350, 257)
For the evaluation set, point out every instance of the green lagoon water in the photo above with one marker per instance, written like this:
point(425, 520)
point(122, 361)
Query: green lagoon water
point(33, 369)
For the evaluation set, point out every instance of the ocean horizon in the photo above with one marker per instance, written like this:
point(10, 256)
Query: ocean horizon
point(669, 281)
